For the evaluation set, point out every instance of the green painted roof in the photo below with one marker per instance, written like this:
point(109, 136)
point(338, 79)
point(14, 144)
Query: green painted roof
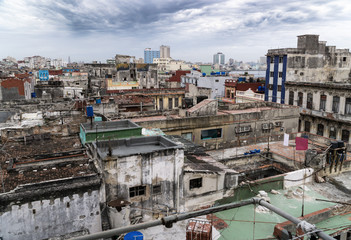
point(240, 220)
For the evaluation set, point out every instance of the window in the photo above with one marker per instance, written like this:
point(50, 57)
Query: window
point(228, 93)
point(156, 189)
point(323, 102)
point(332, 132)
point(271, 74)
point(299, 99)
point(280, 59)
point(211, 133)
point(217, 80)
point(272, 59)
point(187, 136)
point(307, 126)
point(320, 129)
point(280, 74)
point(336, 101)
point(344, 59)
point(309, 100)
point(243, 129)
point(176, 102)
point(160, 104)
point(195, 183)
point(291, 98)
point(137, 191)
point(348, 106)
point(345, 135)
point(170, 103)
point(301, 73)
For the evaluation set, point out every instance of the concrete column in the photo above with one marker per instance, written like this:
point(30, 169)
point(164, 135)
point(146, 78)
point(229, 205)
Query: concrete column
point(329, 104)
point(342, 105)
point(316, 101)
point(338, 133)
point(304, 100)
point(296, 98)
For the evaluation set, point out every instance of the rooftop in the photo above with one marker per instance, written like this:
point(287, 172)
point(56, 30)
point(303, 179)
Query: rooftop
point(108, 126)
point(42, 158)
point(135, 146)
point(253, 222)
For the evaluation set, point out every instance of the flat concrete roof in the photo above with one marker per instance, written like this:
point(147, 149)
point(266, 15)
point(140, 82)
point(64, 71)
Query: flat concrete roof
point(135, 146)
point(108, 126)
point(240, 221)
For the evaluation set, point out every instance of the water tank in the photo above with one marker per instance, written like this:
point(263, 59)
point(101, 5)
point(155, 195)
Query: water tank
point(203, 74)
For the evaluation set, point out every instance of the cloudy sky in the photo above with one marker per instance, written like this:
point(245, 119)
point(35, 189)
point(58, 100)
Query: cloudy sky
point(88, 30)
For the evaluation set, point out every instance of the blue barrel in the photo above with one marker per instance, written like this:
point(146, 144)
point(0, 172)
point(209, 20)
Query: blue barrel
point(136, 235)
point(203, 74)
point(98, 100)
point(90, 111)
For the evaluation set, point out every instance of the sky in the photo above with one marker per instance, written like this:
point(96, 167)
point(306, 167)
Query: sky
point(88, 30)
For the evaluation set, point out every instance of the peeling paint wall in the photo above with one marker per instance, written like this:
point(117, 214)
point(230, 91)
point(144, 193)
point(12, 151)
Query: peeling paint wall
point(52, 217)
point(162, 168)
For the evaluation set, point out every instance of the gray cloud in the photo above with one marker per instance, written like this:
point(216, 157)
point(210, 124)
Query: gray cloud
point(194, 29)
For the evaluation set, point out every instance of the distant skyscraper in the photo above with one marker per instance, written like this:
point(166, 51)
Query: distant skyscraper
point(218, 58)
point(165, 51)
point(149, 55)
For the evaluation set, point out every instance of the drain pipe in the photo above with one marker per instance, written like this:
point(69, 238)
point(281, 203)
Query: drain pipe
point(309, 227)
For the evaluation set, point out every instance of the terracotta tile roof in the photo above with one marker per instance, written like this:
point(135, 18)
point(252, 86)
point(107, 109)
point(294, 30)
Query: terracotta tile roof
point(177, 76)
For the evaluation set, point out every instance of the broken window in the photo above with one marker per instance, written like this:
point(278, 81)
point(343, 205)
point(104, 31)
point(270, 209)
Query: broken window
point(307, 126)
point(345, 135)
point(323, 102)
point(211, 133)
point(332, 132)
point(300, 99)
point(187, 136)
point(137, 191)
point(336, 101)
point(291, 98)
point(309, 100)
point(195, 183)
point(320, 129)
point(348, 106)
point(156, 189)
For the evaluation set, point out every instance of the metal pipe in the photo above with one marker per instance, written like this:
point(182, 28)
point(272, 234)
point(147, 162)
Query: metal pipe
point(289, 217)
point(167, 221)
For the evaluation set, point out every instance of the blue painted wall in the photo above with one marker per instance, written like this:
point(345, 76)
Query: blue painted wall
point(285, 61)
point(275, 78)
point(266, 88)
point(43, 75)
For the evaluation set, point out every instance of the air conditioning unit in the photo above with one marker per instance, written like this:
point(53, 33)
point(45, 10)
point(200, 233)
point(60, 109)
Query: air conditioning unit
point(265, 126)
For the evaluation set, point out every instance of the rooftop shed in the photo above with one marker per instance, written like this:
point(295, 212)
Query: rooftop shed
point(97, 131)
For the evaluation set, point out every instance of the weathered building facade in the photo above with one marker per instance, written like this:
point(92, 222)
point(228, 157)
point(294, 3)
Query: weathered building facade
point(316, 78)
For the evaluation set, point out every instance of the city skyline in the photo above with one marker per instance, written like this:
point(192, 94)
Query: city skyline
point(97, 30)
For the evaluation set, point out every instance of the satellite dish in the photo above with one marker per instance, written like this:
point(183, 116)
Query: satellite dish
point(134, 236)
